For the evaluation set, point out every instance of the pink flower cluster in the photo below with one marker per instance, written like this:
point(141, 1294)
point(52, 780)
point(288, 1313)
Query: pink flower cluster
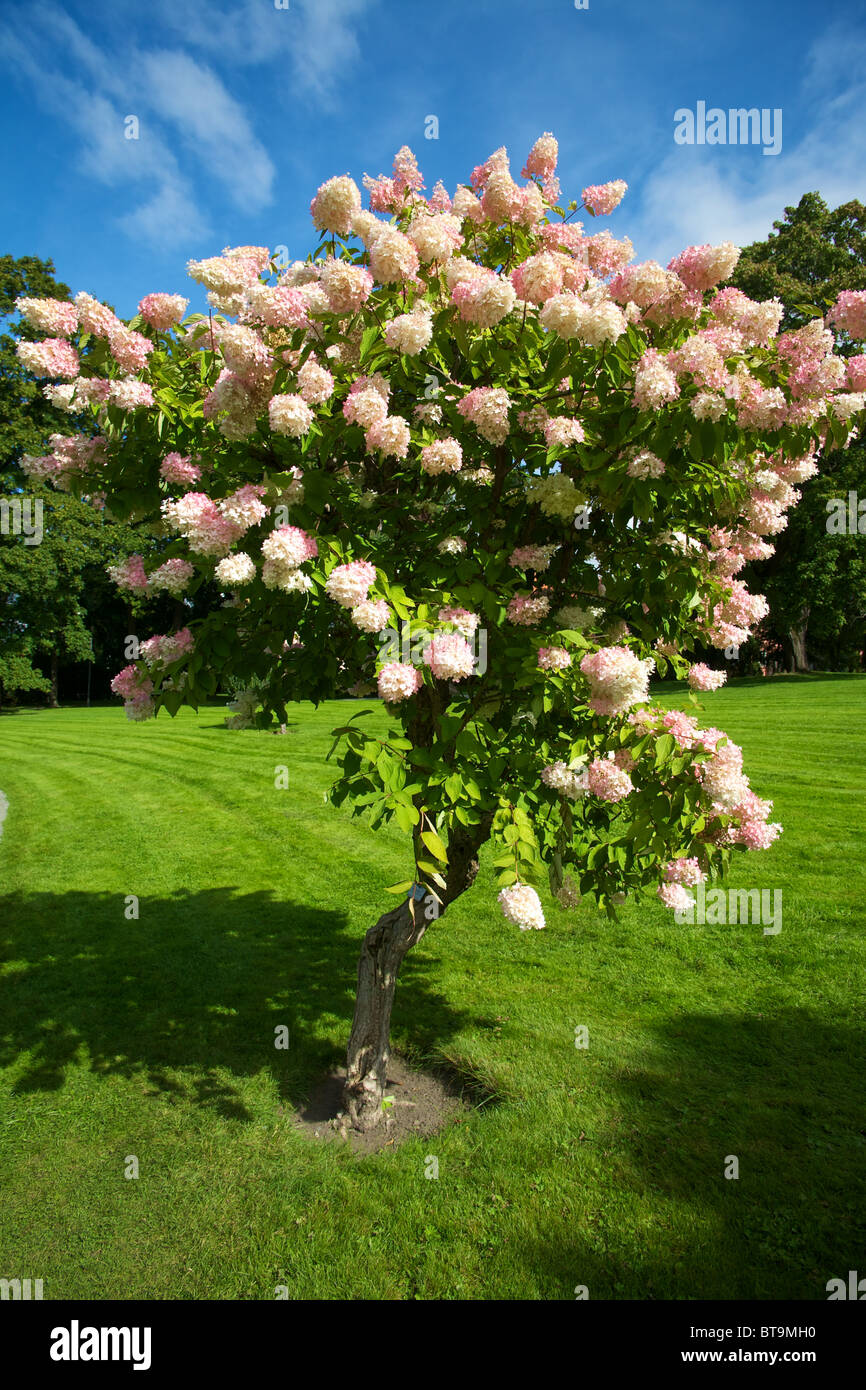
point(532, 557)
point(655, 385)
point(461, 618)
point(487, 408)
point(607, 780)
point(50, 357)
point(56, 317)
point(528, 610)
point(349, 584)
point(179, 469)
point(733, 619)
point(703, 267)
point(130, 575)
point(542, 158)
point(398, 680)
point(449, 657)
point(484, 299)
point(70, 454)
point(849, 313)
point(199, 519)
point(136, 689)
point(685, 871)
point(390, 436)
point(675, 896)
point(163, 311)
point(702, 677)
point(601, 198)
point(553, 658)
point(130, 350)
point(164, 650)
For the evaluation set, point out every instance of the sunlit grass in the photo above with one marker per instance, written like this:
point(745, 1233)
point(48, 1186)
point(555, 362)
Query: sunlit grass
point(154, 1036)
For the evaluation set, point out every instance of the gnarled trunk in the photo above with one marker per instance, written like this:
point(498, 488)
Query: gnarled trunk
point(385, 946)
point(382, 954)
point(798, 660)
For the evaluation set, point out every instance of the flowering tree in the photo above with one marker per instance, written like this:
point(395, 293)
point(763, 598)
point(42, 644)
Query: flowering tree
point(469, 453)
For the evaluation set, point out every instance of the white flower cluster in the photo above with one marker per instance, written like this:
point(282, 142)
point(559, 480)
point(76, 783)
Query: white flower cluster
point(521, 905)
point(570, 782)
point(236, 570)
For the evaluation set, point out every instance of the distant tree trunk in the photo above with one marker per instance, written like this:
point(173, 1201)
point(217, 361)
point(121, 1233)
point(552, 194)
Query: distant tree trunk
point(52, 695)
point(797, 638)
point(385, 946)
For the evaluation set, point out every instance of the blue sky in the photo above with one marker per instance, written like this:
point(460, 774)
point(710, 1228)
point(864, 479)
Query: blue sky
point(244, 108)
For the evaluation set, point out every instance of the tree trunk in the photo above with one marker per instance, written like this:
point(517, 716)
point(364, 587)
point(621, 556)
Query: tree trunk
point(797, 638)
point(382, 953)
point(53, 701)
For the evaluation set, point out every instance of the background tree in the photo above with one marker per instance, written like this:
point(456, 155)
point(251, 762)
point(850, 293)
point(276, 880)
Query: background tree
point(58, 609)
point(816, 581)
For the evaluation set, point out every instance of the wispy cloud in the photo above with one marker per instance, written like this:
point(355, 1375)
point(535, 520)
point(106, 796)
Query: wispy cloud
point(319, 38)
point(191, 129)
point(106, 156)
point(735, 194)
point(209, 121)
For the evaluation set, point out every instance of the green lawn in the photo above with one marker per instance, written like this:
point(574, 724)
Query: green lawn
point(602, 1167)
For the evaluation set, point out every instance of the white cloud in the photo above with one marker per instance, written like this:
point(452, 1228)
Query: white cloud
point(209, 121)
point(165, 220)
point(719, 193)
point(190, 124)
point(105, 154)
point(318, 37)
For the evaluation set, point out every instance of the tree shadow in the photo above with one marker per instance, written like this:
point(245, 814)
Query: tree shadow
point(188, 997)
point(784, 1096)
point(777, 678)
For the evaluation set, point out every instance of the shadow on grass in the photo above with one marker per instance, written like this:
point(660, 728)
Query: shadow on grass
point(188, 997)
point(768, 682)
point(780, 1094)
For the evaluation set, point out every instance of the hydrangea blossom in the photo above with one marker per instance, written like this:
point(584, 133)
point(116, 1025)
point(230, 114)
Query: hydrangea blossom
point(397, 681)
point(521, 905)
point(702, 677)
point(349, 584)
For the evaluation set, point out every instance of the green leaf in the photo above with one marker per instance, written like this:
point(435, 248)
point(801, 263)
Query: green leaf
point(400, 887)
point(454, 786)
point(435, 845)
point(407, 817)
point(665, 745)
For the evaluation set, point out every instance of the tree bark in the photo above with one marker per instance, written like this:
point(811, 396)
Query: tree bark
point(53, 701)
point(797, 638)
point(367, 1056)
point(385, 946)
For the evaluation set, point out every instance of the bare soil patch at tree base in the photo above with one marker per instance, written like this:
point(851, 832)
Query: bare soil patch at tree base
point(422, 1104)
